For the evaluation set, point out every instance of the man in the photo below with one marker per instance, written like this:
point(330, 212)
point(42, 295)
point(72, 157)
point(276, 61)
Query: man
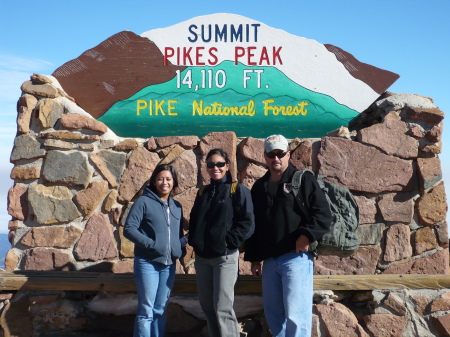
point(281, 239)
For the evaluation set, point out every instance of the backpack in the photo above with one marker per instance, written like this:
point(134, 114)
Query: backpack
point(342, 238)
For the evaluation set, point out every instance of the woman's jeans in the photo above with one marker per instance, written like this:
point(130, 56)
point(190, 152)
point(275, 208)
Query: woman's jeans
point(287, 285)
point(154, 281)
point(215, 286)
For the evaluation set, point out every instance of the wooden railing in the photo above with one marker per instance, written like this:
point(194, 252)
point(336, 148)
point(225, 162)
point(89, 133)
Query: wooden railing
point(91, 281)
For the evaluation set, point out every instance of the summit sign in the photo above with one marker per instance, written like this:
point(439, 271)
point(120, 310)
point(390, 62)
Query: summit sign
point(221, 72)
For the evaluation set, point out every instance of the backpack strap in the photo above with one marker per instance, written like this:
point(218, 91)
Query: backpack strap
point(296, 184)
point(201, 190)
point(233, 187)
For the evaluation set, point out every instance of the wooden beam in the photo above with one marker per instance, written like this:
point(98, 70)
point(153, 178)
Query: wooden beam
point(90, 281)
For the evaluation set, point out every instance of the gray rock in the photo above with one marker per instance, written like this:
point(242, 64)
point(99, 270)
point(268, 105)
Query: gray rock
point(68, 167)
point(26, 147)
point(52, 204)
point(371, 234)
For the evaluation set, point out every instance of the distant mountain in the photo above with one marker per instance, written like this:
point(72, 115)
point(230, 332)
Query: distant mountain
point(4, 247)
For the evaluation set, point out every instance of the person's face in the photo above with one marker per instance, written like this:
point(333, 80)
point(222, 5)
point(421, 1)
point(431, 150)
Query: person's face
point(216, 166)
point(277, 160)
point(164, 184)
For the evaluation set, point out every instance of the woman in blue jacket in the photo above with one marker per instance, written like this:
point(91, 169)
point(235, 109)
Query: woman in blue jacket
point(221, 219)
point(154, 225)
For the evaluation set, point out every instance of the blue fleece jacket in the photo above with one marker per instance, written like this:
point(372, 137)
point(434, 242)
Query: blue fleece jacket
point(156, 235)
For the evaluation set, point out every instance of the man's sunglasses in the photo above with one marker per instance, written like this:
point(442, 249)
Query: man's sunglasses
point(272, 155)
point(210, 164)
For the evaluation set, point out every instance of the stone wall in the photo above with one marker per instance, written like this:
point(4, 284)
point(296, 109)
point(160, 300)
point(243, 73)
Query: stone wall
point(75, 180)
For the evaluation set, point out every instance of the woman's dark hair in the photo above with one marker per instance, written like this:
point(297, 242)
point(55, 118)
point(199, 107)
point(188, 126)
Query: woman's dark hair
point(222, 153)
point(158, 169)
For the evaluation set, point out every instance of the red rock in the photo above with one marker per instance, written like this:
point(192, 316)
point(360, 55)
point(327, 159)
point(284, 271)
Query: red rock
point(251, 173)
point(424, 240)
point(50, 111)
point(386, 325)
point(13, 225)
point(140, 167)
point(97, 241)
point(390, 136)
point(187, 142)
point(127, 144)
point(126, 246)
point(11, 260)
point(26, 105)
point(429, 172)
point(432, 206)
point(110, 200)
point(301, 157)
point(18, 201)
point(421, 303)
point(442, 303)
point(46, 259)
point(89, 198)
point(395, 305)
point(252, 149)
point(151, 144)
point(25, 173)
point(187, 171)
point(169, 154)
point(339, 321)
point(430, 116)
point(363, 262)
point(397, 207)
point(367, 209)
point(54, 236)
point(442, 324)
point(44, 90)
point(442, 234)
point(224, 140)
point(39, 79)
point(74, 121)
point(186, 199)
point(121, 267)
point(433, 264)
point(347, 163)
point(398, 246)
point(416, 131)
point(435, 134)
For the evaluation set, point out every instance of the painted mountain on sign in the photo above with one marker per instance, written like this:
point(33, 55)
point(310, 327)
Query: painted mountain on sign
point(221, 72)
point(194, 107)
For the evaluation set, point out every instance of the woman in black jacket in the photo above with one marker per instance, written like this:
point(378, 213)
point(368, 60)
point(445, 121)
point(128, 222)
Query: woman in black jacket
point(221, 219)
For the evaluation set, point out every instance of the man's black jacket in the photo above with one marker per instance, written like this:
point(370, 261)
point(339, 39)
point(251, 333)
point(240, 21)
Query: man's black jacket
point(278, 220)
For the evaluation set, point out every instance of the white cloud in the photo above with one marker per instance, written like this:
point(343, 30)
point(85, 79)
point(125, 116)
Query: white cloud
point(17, 63)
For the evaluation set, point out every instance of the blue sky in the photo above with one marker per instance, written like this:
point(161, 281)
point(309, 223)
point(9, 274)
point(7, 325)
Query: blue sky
point(408, 37)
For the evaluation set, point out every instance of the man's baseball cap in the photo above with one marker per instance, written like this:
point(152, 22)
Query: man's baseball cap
point(275, 142)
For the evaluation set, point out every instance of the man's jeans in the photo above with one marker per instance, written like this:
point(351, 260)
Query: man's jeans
point(215, 285)
point(154, 281)
point(287, 283)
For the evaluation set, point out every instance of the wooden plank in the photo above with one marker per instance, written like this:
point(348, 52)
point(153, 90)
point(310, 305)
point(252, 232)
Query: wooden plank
point(89, 281)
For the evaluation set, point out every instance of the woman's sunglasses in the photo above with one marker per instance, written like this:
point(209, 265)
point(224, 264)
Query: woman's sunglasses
point(272, 155)
point(210, 164)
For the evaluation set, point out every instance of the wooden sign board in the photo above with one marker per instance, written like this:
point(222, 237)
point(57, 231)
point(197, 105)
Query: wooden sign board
point(221, 72)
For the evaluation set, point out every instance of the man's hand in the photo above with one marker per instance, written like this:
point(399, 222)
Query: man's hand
point(302, 244)
point(256, 269)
